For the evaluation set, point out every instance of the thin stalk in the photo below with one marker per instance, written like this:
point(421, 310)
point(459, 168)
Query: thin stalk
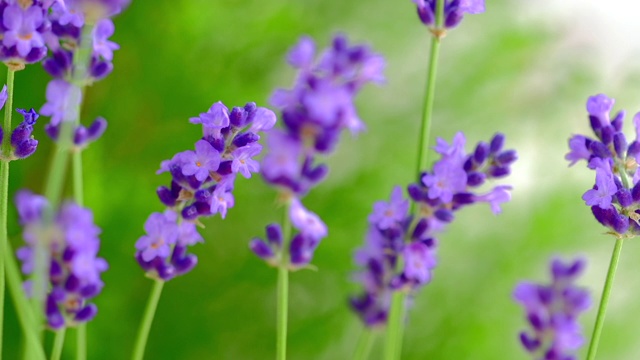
point(81, 342)
point(147, 320)
point(78, 184)
point(365, 343)
point(55, 181)
point(427, 114)
point(81, 64)
point(4, 190)
point(25, 313)
point(395, 327)
point(283, 289)
point(58, 344)
point(604, 300)
point(78, 196)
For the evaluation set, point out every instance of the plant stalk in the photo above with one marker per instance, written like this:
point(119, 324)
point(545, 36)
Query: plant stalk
point(4, 191)
point(395, 326)
point(604, 300)
point(147, 320)
point(283, 288)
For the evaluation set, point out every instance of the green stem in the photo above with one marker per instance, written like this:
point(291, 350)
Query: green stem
point(78, 185)
point(395, 330)
point(147, 320)
point(425, 126)
point(4, 191)
point(81, 342)
point(365, 343)
point(25, 313)
point(604, 300)
point(58, 344)
point(283, 289)
point(395, 327)
point(78, 195)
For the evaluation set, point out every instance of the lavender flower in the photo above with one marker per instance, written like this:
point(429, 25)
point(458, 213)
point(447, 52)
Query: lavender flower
point(23, 144)
point(316, 110)
point(616, 192)
point(201, 186)
point(314, 113)
point(310, 231)
point(552, 311)
point(394, 235)
point(454, 11)
point(22, 30)
point(75, 269)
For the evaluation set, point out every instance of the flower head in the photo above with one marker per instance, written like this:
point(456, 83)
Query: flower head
point(202, 183)
point(553, 310)
point(616, 192)
point(394, 236)
point(74, 276)
point(454, 11)
point(22, 34)
point(318, 107)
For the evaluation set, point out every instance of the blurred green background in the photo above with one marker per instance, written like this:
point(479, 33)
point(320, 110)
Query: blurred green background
point(506, 70)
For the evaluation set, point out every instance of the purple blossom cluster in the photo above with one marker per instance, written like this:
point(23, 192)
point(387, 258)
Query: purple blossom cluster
point(201, 185)
point(74, 272)
point(396, 236)
point(454, 11)
point(314, 113)
point(316, 110)
point(68, 20)
point(310, 231)
point(615, 197)
point(23, 31)
point(22, 142)
point(552, 311)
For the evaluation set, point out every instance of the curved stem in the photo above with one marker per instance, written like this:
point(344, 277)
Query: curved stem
point(58, 344)
point(365, 343)
point(4, 191)
point(147, 320)
point(604, 300)
point(283, 289)
point(25, 313)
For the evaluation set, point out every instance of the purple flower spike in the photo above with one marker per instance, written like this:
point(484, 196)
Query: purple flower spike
point(75, 269)
point(318, 107)
point(614, 197)
point(21, 140)
point(396, 237)
point(553, 310)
